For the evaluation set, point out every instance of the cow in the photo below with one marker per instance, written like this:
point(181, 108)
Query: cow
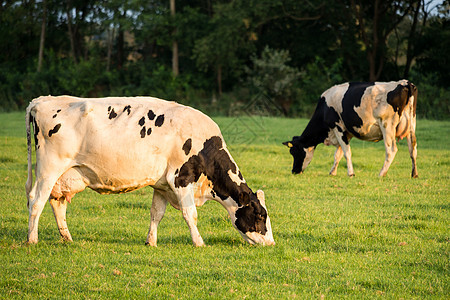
point(370, 111)
point(120, 144)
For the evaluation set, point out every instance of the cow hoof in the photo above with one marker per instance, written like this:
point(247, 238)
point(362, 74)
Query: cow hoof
point(32, 239)
point(351, 175)
point(150, 244)
point(66, 237)
point(199, 244)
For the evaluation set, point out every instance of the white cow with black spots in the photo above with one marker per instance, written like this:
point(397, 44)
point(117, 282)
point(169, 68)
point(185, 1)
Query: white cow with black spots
point(116, 145)
point(370, 111)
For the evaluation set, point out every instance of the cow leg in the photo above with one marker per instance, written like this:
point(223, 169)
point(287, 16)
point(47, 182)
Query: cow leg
point(345, 146)
point(157, 211)
point(190, 215)
point(38, 196)
point(59, 207)
point(337, 158)
point(68, 184)
point(388, 131)
point(187, 206)
point(412, 146)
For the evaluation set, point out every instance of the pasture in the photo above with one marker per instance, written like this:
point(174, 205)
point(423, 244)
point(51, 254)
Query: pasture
point(336, 237)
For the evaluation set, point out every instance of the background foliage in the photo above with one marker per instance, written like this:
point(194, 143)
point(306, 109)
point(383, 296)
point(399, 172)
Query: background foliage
point(224, 49)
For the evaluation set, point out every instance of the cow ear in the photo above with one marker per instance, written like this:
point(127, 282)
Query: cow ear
point(244, 198)
point(260, 196)
point(288, 144)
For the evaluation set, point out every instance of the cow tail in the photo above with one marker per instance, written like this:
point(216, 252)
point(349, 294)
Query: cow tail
point(412, 129)
point(30, 167)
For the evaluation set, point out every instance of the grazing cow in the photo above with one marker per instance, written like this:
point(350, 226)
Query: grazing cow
point(117, 145)
point(370, 111)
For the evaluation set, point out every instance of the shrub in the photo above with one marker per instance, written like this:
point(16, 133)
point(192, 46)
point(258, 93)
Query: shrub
point(272, 75)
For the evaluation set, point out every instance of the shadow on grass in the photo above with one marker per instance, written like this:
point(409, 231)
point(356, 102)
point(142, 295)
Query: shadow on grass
point(163, 241)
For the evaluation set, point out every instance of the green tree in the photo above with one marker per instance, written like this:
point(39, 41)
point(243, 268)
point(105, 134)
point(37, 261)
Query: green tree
point(272, 75)
point(227, 45)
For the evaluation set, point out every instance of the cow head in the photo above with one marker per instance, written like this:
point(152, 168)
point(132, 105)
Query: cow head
point(301, 153)
point(250, 218)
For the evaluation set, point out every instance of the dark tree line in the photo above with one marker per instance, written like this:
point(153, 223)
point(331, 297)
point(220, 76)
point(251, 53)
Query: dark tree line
point(216, 54)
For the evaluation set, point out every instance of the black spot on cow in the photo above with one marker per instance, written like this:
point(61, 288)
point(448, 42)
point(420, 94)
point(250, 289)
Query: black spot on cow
point(127, 109)
point(143, 132)
point(344, 134)
point(331, 118)
point(398, 98)
point(316, 131)
point(213, 194)
point(28, 135)
point(251, 217)
point(142, 121)
point(57, 112)
point(345, 139)
point(215, 162)
point(149, 131)
point(351, 100)
point(109, 108)
point(187, 146)
point(35, 131)
point(240, 176)
point(112, 114)
point(159, 121)
point(151, 115)
point(54, 130)
point(177, 171)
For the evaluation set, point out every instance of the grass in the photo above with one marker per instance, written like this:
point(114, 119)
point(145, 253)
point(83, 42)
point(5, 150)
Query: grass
point(337, 237)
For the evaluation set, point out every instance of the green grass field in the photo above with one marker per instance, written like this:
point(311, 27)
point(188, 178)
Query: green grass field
point(336, 237)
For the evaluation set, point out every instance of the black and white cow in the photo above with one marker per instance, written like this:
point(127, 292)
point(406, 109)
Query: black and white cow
point(116, 145)
point(370, 111)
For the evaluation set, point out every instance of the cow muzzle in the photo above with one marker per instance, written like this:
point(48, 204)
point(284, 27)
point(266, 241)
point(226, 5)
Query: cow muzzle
point(257, 238)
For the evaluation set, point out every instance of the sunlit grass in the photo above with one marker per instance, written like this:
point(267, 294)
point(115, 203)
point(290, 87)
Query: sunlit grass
point(336, 237)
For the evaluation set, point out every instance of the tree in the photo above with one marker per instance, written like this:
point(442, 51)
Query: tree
point(175, 68)
point(42, 39)
point(272, 75)
point(433, 46)
point(222, 48)
point(375, 21)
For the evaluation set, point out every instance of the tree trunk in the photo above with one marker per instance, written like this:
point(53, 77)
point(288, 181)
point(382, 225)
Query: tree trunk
point(372, 43)
point(42, 41)
point(175, 68)
point(71, 33)
point(411, 40)
point(110, 45)
point(219, 80)
point(120, 46)
point(373, 53)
